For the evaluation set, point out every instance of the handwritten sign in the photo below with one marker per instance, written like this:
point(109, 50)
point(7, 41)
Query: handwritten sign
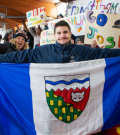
point(80, 6)
point(104, 28)
point(36, 17)
point(76, 22)
point(47, 37)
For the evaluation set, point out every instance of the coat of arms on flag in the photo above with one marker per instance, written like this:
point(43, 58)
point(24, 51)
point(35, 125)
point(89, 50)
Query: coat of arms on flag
point(67, 95)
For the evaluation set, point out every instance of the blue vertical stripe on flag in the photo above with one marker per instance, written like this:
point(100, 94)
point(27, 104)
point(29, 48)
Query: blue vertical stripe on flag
point(111, 93)
point(16, 113)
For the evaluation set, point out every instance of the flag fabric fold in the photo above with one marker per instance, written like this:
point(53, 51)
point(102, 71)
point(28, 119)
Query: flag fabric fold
point(59, 99)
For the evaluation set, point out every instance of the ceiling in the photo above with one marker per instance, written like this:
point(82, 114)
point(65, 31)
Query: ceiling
point(18, 8)
point(51, 1)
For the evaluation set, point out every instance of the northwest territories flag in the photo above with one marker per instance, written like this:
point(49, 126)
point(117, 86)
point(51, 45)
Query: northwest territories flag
point(59, 99)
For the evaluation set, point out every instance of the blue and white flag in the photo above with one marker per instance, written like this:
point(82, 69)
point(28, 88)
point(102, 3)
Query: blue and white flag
point(78, 98)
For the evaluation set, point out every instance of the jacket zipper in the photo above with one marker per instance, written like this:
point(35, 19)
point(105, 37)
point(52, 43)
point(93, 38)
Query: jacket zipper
point(63, 56)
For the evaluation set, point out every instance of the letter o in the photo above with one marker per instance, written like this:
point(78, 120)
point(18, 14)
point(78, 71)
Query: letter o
point(102, 39)
point(101, 19)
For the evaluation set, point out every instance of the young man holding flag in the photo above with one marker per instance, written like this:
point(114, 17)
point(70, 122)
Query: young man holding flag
point(61, 52)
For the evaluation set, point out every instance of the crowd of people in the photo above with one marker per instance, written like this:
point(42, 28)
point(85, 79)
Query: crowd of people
point(13, 39)
point(20, 40)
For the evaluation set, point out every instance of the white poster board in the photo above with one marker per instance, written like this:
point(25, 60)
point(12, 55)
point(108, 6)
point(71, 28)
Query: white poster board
point(104, 28)
point(47, 37)
point(80, 6)
point(77, 23)
point(36, 17)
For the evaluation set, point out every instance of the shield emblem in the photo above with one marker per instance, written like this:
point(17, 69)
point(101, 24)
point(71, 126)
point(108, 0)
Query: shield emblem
point(67, 96)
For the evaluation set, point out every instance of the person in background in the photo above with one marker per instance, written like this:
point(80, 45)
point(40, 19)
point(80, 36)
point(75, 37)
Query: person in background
point(36, 35)
point(8, 36)
point(46, 24)
point(11, 31)
point(30, 39)
point(18, 43)
point(60, 16)
point(16, 30)
point(79, 41)
point(37, 45)
point(72, 39)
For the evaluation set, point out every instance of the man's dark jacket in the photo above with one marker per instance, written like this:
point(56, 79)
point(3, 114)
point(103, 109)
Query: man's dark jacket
point(57, 53)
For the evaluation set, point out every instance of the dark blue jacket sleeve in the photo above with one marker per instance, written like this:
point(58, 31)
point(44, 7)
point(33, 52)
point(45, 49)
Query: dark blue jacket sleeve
point(39, 54)
point(98, 53)
point(26, 56)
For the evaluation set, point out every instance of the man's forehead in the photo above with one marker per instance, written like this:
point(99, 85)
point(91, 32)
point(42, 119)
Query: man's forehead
point(62, 28)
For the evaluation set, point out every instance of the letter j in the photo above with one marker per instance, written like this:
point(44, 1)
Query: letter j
point(93, 30)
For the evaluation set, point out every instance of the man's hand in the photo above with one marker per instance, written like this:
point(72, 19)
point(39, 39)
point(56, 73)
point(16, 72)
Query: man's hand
point(102, 47)
point(94, 44)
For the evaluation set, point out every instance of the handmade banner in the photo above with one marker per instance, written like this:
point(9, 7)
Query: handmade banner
point(104, 28)
point(47, 37)
point(76, 22)
point(80, 6)
point(36, 17)
point(49, 99)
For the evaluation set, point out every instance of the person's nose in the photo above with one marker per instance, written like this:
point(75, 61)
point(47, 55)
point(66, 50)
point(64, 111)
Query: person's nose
point(20, 40)
point(62, 35)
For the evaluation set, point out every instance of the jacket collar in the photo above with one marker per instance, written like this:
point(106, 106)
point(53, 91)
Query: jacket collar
point(63, 47)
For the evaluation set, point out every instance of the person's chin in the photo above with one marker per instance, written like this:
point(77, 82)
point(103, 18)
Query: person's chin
point(63, 43)
point(20, 46)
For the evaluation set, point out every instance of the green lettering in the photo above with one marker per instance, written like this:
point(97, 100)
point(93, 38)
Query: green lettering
point(32, 19)
point(110, 40)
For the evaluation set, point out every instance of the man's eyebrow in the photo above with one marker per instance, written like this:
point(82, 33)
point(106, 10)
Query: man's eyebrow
point(65, 31)
point(58, 31)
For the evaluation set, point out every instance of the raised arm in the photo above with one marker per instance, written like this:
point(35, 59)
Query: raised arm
point(32, 32)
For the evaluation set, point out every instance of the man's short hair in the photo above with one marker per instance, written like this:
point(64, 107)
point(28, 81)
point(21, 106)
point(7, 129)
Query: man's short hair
point(62, 23)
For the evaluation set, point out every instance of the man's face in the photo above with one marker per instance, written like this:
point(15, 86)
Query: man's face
point(62, 35)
